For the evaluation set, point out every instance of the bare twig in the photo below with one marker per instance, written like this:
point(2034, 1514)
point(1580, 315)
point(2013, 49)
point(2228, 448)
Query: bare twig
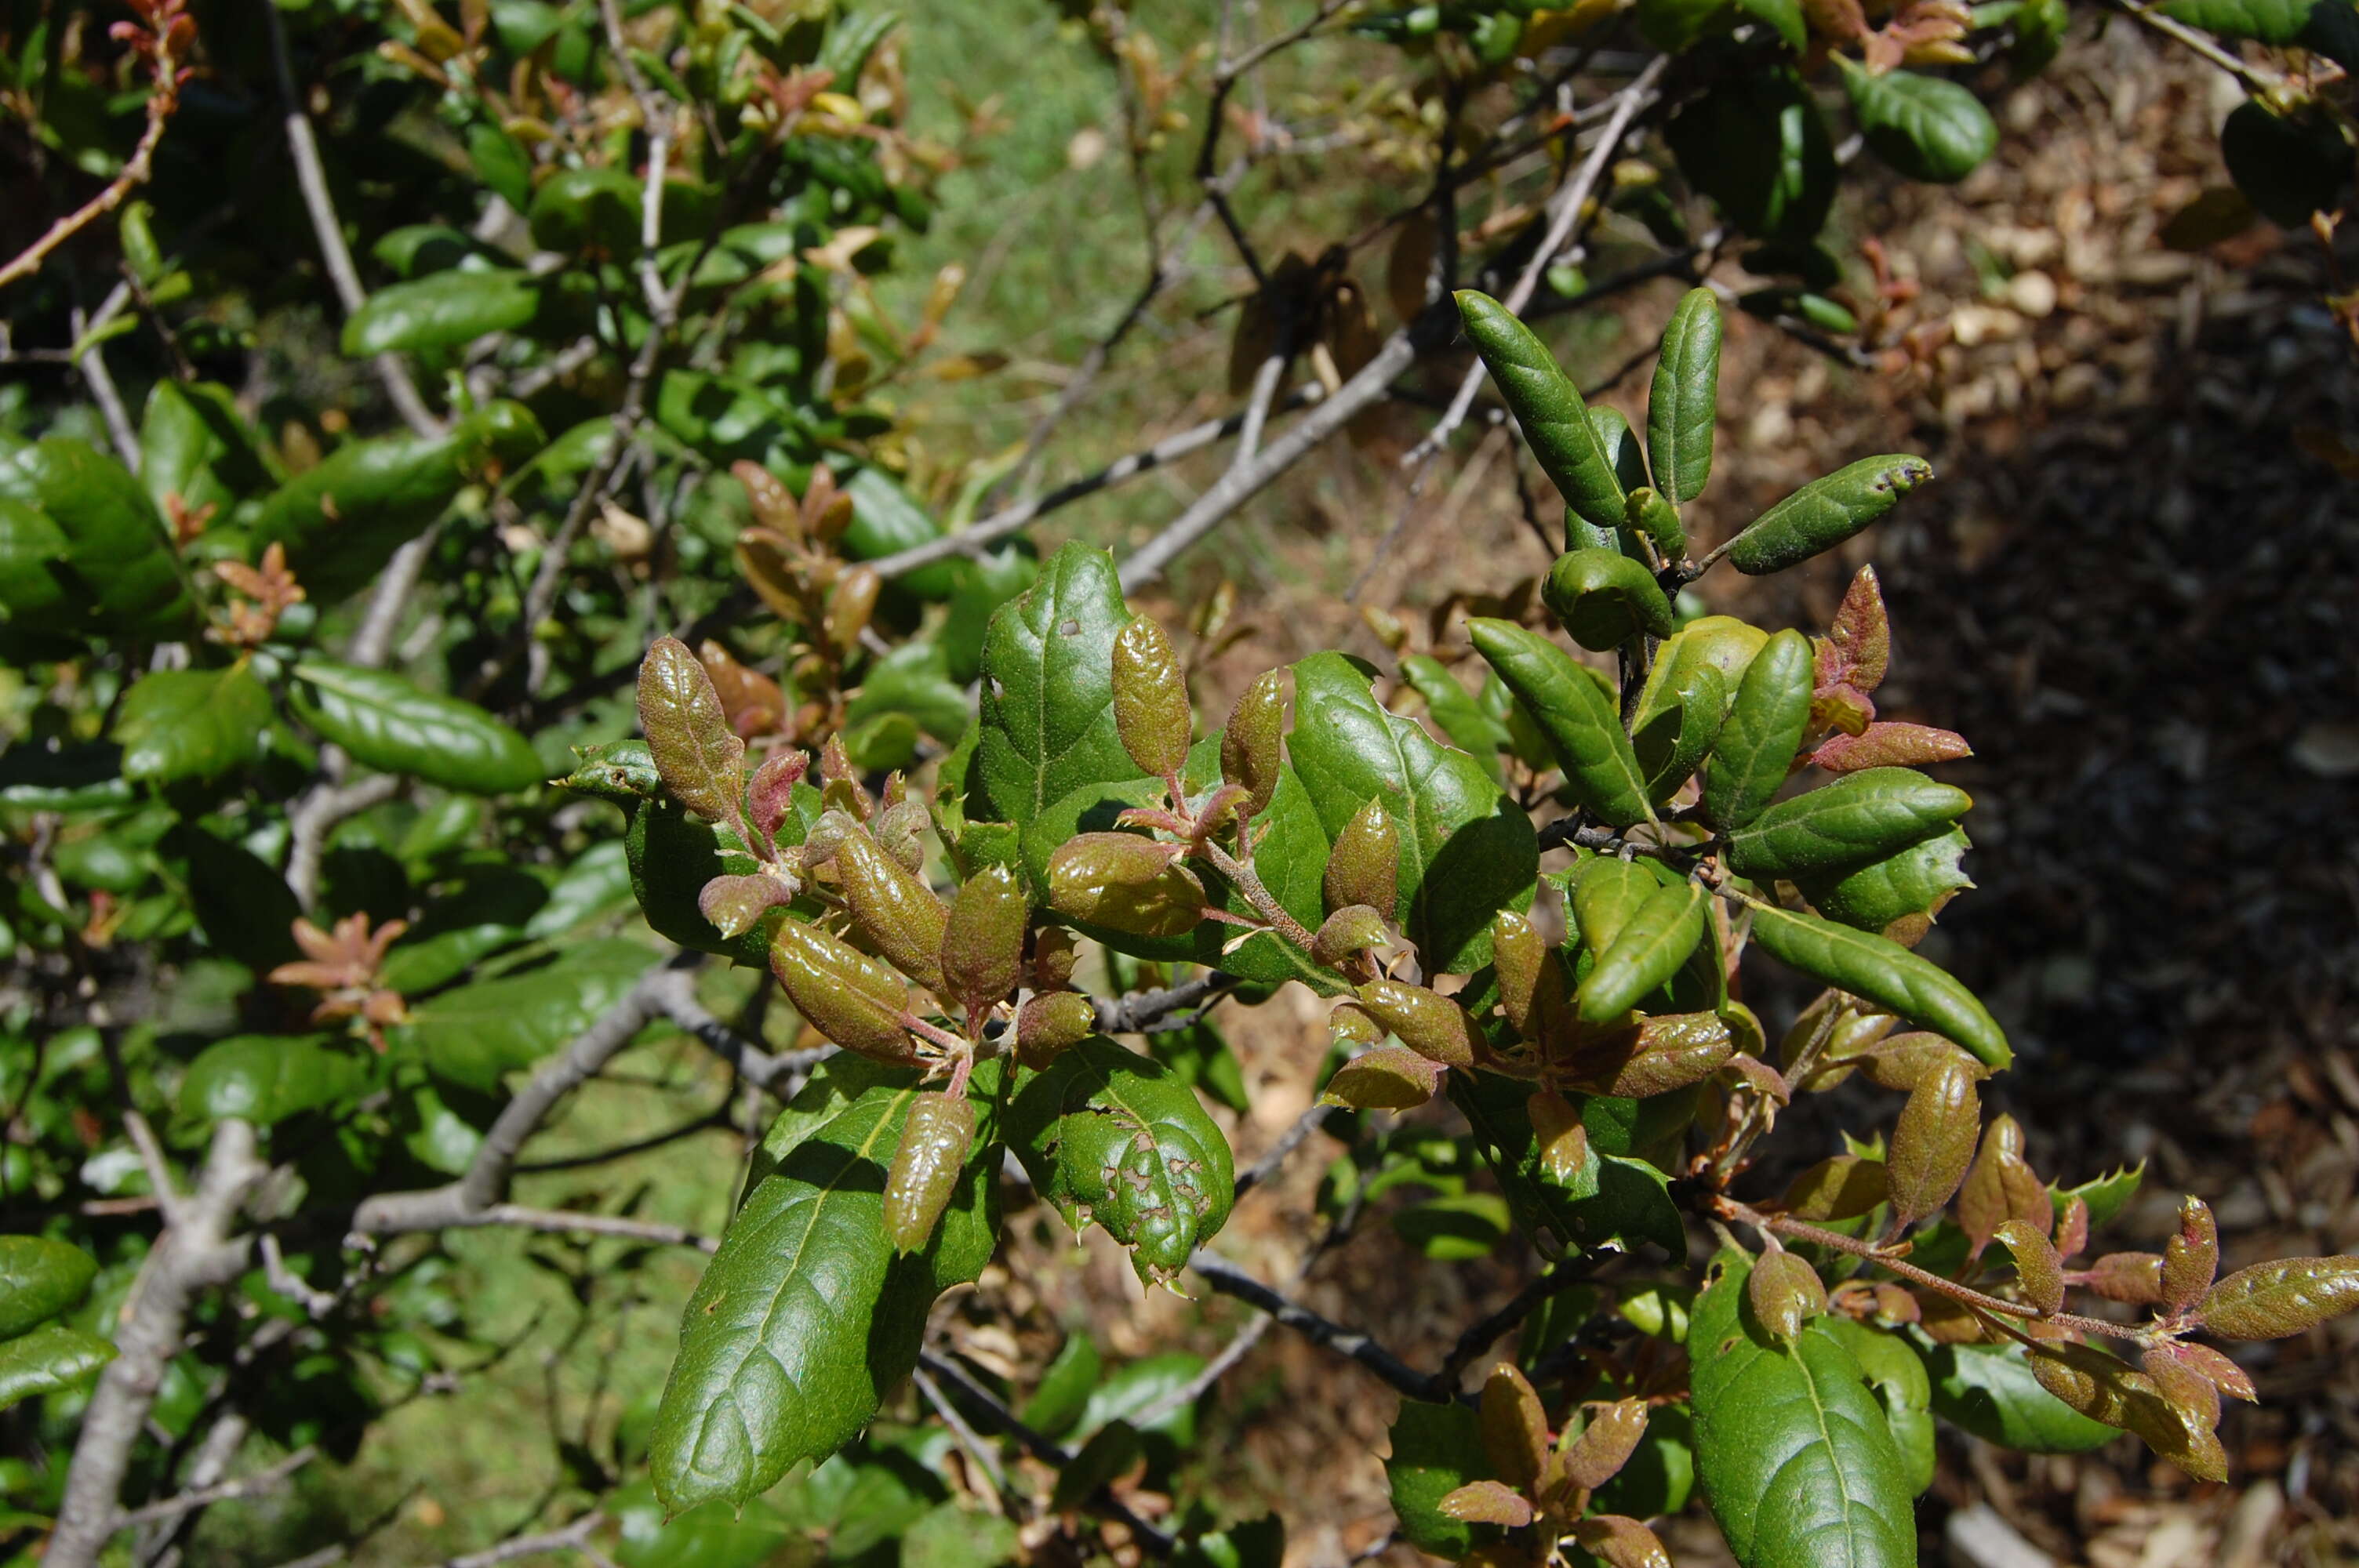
point(310, 818)
point(1144, 1011)
point(92, 362)
point(221, 1492)
point(193, 1253)
point(1230, 1281)
point(1261, 1170)
point(574, 1537)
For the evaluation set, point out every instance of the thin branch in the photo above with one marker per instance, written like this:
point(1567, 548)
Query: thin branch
point(968, 1439)
point(1143, 1011)
point(92, 362)
point(1261, 1170)
point(2179, 32)
point(313, 178)
point(1230, 1281)
point(1485, 1332)
point(312, 817)
point(971, 541)
point(574, 1537)
point(137, 170)
point(225, 1491)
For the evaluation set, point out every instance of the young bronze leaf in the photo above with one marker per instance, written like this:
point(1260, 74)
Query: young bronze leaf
point(2191, 1260)
point(1933, 1141)
point(2288, 1296)
point(701, 759)
point(1384, 1077)
point(1605, 1444)
point(1514, 1428)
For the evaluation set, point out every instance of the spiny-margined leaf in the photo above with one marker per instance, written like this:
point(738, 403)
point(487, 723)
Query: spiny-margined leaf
point(1111, 1136)
point(1793, 1449)
point(1466, 851)
point(805, 1318)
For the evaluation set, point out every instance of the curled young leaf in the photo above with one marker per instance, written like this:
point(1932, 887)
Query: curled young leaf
point(701, 759)
point(1785, 1293)
point(1649, 514)
point(847, 995)
point(1653, 1056)
point(1824, 513)
point(1125, 882)
point(2001, 1186)
point(1885, 744)
point(898, 914)
point(1349, 1021)
point(1604, 1445)
point(1488, 1502)
point(2273, 1300)
point(1514, 1428)
point(1620, 1541)
point(2191, 1260)
point(772, 793)
point(1051, 1023)
point(917, 1184)
point(1843, 1186)
point(1603, 599)
point(1432, 1025)
point(1150, 698)
point(1252, 750)
point(982, 938)
point(1363, 867)
point(1384, 1077)
point(2039, 1271)
point(1857, 648)
point(1349, 931)
point(1933, 1141)
point(1560, 1136)
point(735, 904)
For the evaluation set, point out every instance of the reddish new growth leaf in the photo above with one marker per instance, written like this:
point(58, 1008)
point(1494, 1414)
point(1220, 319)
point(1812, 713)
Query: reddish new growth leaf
point(343, 965)
point(1857, 648)
point(1890, 745)
point(264, 593)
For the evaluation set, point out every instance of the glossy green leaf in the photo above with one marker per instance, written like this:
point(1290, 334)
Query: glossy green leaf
point(474, 1034)
point(1466, 851)
point(192, 724)
point(1754, 142)
point(1928, 127)
point(1677, 737)
point(1755, 748)
point(1897, 1373)
point(1111, 1136)
point(1648, 949)
point(1603, 599)
point(38, 1280)
point(194, 443)
point(1132, 1391)
point(588, 208)
point(1883, 973)
point(2289, 164)
point(1578, 719)
point(1436, 1449)
point(388, 723)
point(1824, 513)
point(1047, 725)
point(106, 563)
point(2264, 21)
point(1546, 405)
point(342, 520)
point(265, 1079)
point(805, 1319)
point(673, 855)
point(1684, 402)
point(1063, 1391)
point(442, 310)
point(915, 679)
point(1916, 880)
point(1470, 728)
point(50, 1357)
point(1989, 1390)
point(1793, 1449)
point(1859, 819)
point(714, 1535)
point(884, 519)
point(1615, 1196)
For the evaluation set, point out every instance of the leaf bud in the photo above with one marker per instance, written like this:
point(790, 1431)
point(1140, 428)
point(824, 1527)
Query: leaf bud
point(1488, 1502)
point(2185, 1389)
point(2072, 1226)
point(1933, 1141)
point(2215, 1367)
point(2001, 1186)
point(1899, 1062)
point(1053, 956)
point(924, 1170)
point(1514, 1428)
point(1127, 883)
point(840, 786)
point(983, 939)
point(773, 507)
point(1252, 745)
point(898, 831)
point(1532, 991)
point(2271, 1301)
point(847, 995)
point(1786, 1292)
point(1150, 697)
point(735, 904)
point(1384, 1077)
point(899, 915)
point(701, 760)
point(2039, 1271)
point(1604, 1445)
point(1432, 1025)
point(1348, 932)
point(1365, 865)
point(2191, 1260)
point(1051, 1023)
